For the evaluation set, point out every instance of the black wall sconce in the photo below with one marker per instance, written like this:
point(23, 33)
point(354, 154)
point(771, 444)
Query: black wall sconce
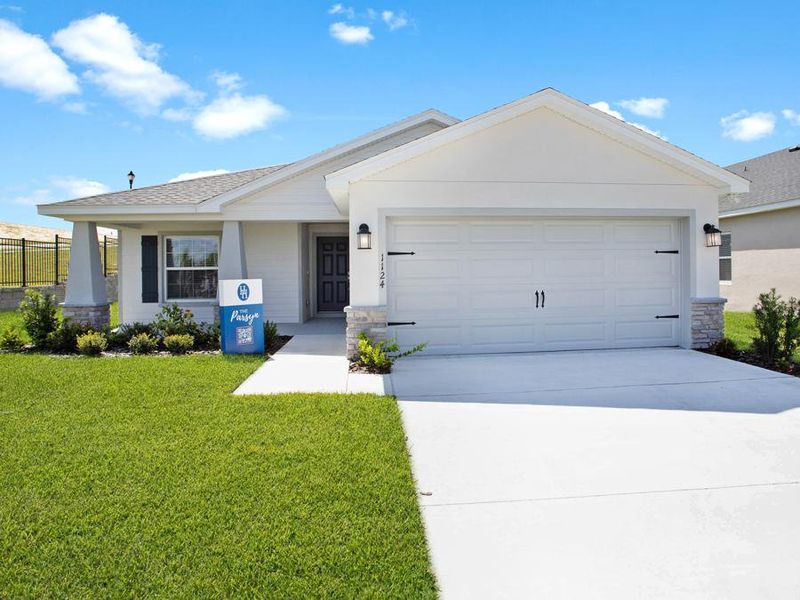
point(713, 235)
point(364, 237)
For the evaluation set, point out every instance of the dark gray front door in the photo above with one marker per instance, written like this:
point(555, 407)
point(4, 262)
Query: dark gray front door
point(333, 260)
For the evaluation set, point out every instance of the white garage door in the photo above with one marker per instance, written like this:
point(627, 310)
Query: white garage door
point(471, 285)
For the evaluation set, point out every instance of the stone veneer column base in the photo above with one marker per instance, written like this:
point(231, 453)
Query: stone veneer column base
point(370, 319)
point(708, 325)
point(95, 316)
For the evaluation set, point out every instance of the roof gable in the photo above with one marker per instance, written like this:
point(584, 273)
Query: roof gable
point(338, 182)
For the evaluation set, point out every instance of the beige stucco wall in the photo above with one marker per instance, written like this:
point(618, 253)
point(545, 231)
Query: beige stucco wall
point(766, 254)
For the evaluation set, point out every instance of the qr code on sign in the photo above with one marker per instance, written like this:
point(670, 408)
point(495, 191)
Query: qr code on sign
point(244, 335)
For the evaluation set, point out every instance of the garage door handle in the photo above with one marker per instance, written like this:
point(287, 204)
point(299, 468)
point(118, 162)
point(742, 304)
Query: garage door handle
point(668, 316)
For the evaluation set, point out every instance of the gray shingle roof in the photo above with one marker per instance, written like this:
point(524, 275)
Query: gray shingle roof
point(191, 191)
point(774, 177)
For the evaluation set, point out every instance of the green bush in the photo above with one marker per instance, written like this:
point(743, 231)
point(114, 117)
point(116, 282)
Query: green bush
point(378, 356)
point(11, 339)
point(92, 343)
point(143, 343)
point(39, 316)
point(207, 336)
point(65, 336)
point(778, 326)
point(270, 334)
point(174, 320)
point(178, 344)
point(119, 337)
point(725, 348)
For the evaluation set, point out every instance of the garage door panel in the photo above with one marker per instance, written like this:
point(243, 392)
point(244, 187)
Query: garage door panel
point(644, 233)
point(647, 297)
point(646, 332)
point(472, 291)
point(573, 233)
point(425, 268)
point(492, 268)
point(501, 233)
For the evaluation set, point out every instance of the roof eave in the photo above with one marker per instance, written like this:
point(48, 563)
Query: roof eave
point(760, 208)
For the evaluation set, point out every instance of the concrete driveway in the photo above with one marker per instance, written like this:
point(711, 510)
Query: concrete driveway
point(658, 473)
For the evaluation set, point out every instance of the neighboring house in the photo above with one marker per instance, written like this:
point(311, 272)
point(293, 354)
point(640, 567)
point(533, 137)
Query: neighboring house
point(543, 224)
point(761, 230)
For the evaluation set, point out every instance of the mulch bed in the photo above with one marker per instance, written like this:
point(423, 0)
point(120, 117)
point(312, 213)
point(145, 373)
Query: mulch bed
point(755, 360)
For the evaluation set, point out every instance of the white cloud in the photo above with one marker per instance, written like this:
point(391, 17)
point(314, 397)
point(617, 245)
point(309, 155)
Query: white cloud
point(231, 116)
point(646, 107)
point(28, 63)
point(744, 126)
point(227, 82)
point(198, 174)
point(792, 116)
point(351, 34)
point(176, 114)
point(120, 62)
point(63, 188)
point(79, 108)
point(340, 9)
point(606, 108)
point(394, 20)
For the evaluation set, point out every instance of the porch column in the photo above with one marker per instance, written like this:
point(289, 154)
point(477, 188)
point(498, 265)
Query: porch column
point(232, 263)
point(86, 300)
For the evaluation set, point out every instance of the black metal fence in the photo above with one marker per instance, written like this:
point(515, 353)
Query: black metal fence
point(36, 262)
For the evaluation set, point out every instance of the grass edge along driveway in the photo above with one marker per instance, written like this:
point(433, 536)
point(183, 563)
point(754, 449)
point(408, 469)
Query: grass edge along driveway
point(144, 476)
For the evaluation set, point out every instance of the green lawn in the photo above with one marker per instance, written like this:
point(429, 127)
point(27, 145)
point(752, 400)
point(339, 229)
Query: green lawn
point(143, 476)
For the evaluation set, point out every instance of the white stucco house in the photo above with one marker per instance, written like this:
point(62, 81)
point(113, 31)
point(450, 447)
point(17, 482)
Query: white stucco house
point(543, 224)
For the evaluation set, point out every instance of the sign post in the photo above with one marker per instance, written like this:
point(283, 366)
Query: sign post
point(241, 316)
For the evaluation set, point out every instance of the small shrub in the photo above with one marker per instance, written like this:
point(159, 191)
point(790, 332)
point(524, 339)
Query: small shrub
point(11, 340)
point(791, 330)
point(174, 320)
point(769, 320)
point(378, 356)
point(725, 348)
point(207, 336)
point(65, 336)
point(92, 343)
point(39, 316)
point(270, 334)
point(143, 343)
point(119, 337)
point(178, 344)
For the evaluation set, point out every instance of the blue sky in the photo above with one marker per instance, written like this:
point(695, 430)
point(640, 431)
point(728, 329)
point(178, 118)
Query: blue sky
point(91, 90)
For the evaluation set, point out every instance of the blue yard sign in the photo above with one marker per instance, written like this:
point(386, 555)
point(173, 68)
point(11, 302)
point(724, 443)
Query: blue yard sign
point(241, 316)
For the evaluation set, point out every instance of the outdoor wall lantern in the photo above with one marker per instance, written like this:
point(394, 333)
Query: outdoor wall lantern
point(364, 237)
point(713, 235)
point(131, 177)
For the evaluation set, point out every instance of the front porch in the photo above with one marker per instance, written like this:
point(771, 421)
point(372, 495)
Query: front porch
point(304, 268)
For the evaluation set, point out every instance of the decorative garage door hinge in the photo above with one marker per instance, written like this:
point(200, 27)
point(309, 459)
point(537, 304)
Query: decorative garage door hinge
point(668, 316)
point(392, 323)
point(398, 253)
point(668, 251)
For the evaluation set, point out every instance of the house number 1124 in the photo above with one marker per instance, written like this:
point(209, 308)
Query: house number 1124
point(382, 274)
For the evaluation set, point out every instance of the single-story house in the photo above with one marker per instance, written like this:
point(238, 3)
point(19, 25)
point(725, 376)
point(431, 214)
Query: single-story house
point(761, 230)
point(543, 224)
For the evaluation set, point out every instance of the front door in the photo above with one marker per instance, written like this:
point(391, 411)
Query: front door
point(333, 287)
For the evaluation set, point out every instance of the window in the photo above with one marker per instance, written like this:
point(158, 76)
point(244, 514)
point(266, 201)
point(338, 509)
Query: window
point(191, 267)
point(725, 258)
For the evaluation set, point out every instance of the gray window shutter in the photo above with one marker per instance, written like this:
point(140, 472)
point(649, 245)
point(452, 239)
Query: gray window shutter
point(149, 268)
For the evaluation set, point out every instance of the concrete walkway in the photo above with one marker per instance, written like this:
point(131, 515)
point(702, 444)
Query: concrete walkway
point(313, 361)
point(616, 474)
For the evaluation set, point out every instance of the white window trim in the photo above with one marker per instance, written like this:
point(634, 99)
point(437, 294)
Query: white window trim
point(166, 269)
point(730, 258)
